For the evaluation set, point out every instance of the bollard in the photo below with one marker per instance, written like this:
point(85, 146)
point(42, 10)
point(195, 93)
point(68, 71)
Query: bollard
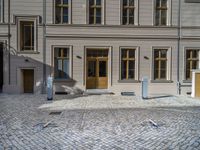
point(49, 88)
point(145, 87)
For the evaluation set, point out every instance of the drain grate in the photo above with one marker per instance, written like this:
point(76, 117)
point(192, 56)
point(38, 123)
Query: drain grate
point(55, 113)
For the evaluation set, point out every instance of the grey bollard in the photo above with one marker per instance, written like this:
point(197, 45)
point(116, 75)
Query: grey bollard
point(145, 87)
point(49, 88)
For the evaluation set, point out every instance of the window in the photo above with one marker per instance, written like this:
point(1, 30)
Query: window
point(95, 11)
point(27, 35)
point(160, 64)
point(161, 12)
point(128, 69)
point(62, 11)
point(61, 63)
point(128, 12)
point(192, 62)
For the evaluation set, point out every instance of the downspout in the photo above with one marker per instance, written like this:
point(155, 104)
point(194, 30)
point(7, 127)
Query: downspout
point(178, 49)
point(44, 47)
point(9, 36)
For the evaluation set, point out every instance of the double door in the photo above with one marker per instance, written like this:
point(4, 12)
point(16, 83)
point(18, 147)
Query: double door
point(97, 73)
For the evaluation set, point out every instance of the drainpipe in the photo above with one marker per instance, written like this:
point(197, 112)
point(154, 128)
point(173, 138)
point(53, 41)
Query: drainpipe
point(178, 49)
point(9, 36)
point(44, 47)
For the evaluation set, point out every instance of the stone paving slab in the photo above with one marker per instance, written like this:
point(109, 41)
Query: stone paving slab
point(99, 122)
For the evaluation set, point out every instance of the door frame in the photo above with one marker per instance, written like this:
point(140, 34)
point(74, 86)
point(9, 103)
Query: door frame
point(109, 69)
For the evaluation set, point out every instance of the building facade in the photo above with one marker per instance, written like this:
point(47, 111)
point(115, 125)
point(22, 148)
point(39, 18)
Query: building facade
point(99, 44)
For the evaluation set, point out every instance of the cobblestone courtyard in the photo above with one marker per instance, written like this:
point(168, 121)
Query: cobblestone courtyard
point(99, 122)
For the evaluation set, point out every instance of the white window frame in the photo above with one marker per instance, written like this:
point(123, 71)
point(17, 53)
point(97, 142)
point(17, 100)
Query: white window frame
point(169, 13)
point(2, 11)
point(184, 62)
point(169, 63)
point(69, 12)
point(102, 13)
point(21, 19)
point(136, 12)
point(136, 62)
point(70, 62)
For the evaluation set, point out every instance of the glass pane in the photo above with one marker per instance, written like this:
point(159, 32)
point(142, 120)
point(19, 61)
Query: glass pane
point(123, 70)
point(65, 15)
point(163, 53)
point(157, 18)
point(157, 3)
point(163, 74)
point(102, 68)
point(91, 19)
point(59, 68)
point(156, 53)
point(59, 52)
point(58, 1)
point(98, 15)
point(58, 15)
point(164, 3)
point(131, 2)
point(91, 68)
point(65, 1)
point(194, 65)
point(27, 37)
point(32, 32)
point(163, 65)
point(131, 20)
point(98, 2)
point(188, 54)
point(91, 2)
point(156, 74)
point(124, 53)
point(163, 17)
point(195, 54)
point(65, 52)
point(131, 70)
point(125, 2)
point(131, 53)
point(156, 64)
point(66, 68)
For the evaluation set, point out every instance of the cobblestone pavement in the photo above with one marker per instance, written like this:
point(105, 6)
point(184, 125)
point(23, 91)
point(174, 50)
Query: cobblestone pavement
point(98, 122)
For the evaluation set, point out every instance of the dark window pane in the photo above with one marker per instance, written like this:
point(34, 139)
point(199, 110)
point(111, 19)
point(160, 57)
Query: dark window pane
point(195, 54)
point(65, 1)
point(156, 53)
point(131, 2)
point(102, 69)
point(157, 3)
point(131, 53)
point(58, 1)
point(163, 17)
point(98, 2)
point(66, 68)
point(125, 2)
point(58, 15)
point(156, 74)
point(123, 70)
point(163, 65)
point(131, 71)
point(131, 20)
point(32, 48)
point(157, 18)
point(98, 12)
point(164, 3)
point(195, 65)
point(124, 53)
point(163, 53)
point(65, 52)
point(98, 20)
point(163, 74)
point(91, 2)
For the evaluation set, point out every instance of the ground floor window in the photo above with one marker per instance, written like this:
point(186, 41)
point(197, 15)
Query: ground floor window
point(160, 64)
point(192, 62)
point(128, 63)
point(61, 63)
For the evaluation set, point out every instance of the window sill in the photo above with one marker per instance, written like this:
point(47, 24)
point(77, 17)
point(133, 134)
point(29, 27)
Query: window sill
point(28, 52)
point(161, 81)
point(187, 81)
point(129, 81)
point(63, 80)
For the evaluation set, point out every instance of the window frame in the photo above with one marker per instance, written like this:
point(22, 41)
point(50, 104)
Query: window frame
point(185, 61)
point(70, 62)
point(69, 13)
point(136, 13)
point(136, 75)
point(168, 13)
point(102, 13)
point(25, 19)
point(168, 68)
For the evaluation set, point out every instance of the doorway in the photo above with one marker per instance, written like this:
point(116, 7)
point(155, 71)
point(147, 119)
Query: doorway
point(1, 67)
point(97, 69)
point(28, 80)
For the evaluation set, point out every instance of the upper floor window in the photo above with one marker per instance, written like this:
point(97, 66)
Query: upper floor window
point(27, 35)
point(62, 10)
point(128, 12)
point(61, 63)
point(161, 12)
point(192, 62)
point(95, 11)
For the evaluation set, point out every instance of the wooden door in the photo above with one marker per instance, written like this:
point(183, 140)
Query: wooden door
point(28, 75)
point(197, 85)
point(91, 73)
